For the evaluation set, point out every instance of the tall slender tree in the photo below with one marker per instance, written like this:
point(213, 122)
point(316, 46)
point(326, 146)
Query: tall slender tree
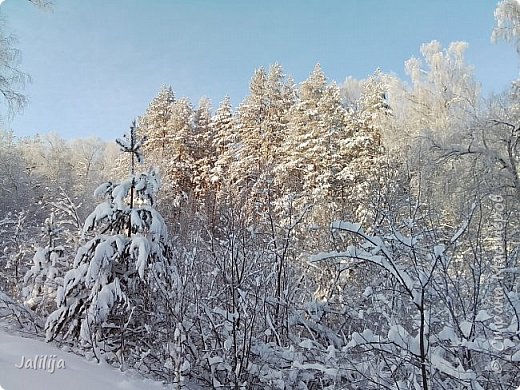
point(105, 294)
point(225, 140)
point(261, 123)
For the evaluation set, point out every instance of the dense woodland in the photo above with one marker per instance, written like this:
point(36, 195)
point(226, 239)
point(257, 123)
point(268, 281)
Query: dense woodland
point(362, 235)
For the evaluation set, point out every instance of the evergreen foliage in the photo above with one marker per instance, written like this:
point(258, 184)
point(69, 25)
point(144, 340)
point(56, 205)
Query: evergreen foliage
point(320, 236)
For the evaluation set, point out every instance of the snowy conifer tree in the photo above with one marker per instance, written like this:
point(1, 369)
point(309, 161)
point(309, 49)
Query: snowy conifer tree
point(313, 151)
point(363, 161)
point(202, 146)
point(224, 139)
point(119, 264)
point(261, 123)
point(154, 125)
point(179, 163)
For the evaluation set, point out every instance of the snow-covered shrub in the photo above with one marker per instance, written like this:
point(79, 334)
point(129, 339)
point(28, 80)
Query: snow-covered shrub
point(17, 239)
point(16, 316)
point(431, 327)
point(42, 280)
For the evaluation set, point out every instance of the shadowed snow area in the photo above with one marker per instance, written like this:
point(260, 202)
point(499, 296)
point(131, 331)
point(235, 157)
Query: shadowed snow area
point(78, 373)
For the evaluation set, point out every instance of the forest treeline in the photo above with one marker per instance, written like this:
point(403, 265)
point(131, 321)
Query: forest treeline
point(361, 235)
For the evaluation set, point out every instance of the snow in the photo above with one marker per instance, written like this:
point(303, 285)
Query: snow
point(516, 357)
point(100, 307)
point(466, 328)
point(142, 246)
point(307, 344)
point(102, 189)
point(438, 250)
point(318, 367)
point(408, 241)
point(100, 264)
point(327, 255)
point(120, 192)
point(483, 316)
point(446, 367)
point(158, 226)
point(78, 373)
point(368, 291)
point(366, 337)
point(102, 211)
point(215, 360)
point(73, 277)
point(403, 339)
point(463, 227)
point(448, 334)
point(343, 225)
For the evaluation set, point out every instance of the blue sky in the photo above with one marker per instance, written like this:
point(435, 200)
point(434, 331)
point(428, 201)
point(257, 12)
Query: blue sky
point(96, 64)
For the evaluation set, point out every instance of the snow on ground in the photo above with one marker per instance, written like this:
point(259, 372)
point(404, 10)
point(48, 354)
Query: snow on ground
point(77, 374)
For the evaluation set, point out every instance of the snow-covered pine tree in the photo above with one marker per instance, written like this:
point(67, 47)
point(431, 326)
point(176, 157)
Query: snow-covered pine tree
point(179, 162)
point(281, 95)
point(118, 267)
point(250, 124)
point(154, 125)
point(224, 142)
point(261, 123)
point(312, 153)
point(303, 132)
point(202, 146)
point(363, 157)
point(334, 127)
